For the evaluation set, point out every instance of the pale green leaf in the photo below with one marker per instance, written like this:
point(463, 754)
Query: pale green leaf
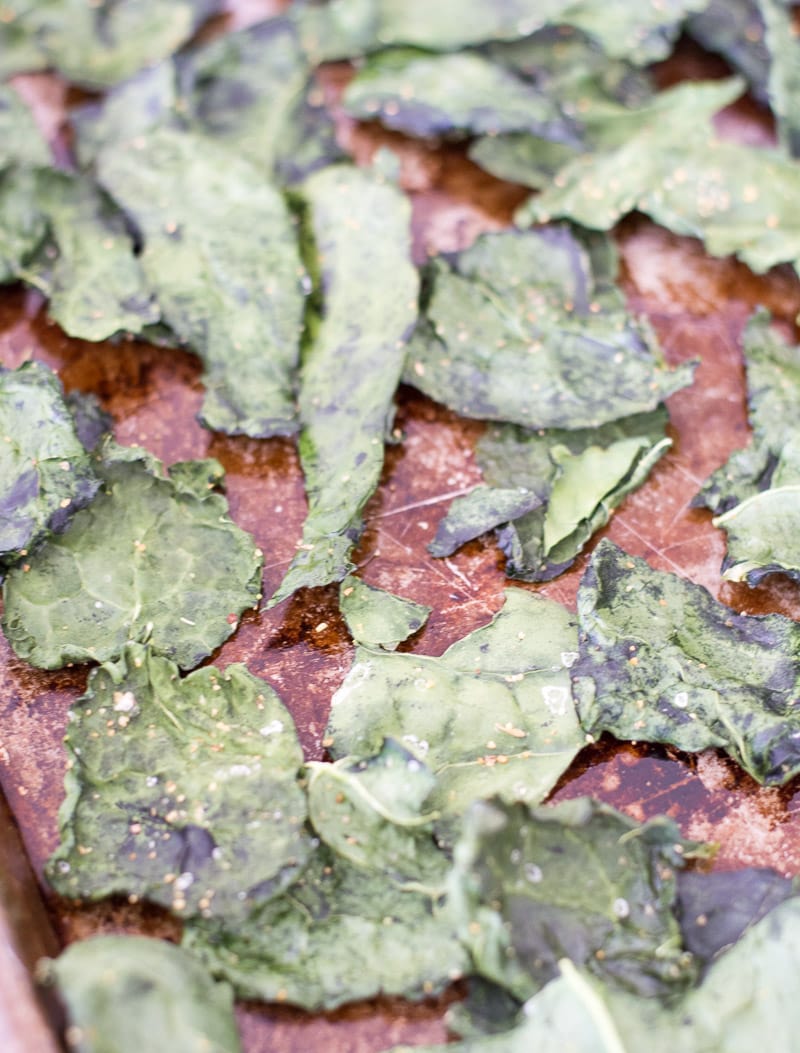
point(573, 481)
point(736, 199)
point(345, 28)
point(126, 994)
point(378, 618)
point(95, 284)
point(221, 255)
point(21, 142)
point(371, 813)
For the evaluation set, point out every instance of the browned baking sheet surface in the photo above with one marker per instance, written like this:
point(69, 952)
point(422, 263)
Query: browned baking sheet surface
point(698, 307)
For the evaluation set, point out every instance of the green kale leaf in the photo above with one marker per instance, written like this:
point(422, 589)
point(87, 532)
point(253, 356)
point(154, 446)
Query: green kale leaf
point(46, 472)
point(577, 880)
point(98, 44)
point(346, 28)
point(181, 792)
point(773, 397)
point(573, 481)
point(662, 661)
point(251, 90)
point(148, 560)
point(735, 29)
point(377, 618)
point(493, 715)
point(755, 493)
point(764, 533)
point(750, 993)
point(351, 367)
point(530, 328)
point(784, 73)
point(370, 813)
point(21, 142)
point(736, 199)
point(482, 509)
point(131, 993)
point(220, 253)
point(431, 95)
point(339, 934)
point(95, 283)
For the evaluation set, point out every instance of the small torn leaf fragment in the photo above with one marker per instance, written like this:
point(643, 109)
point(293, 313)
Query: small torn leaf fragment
point(46, 474)
point(428, 95)
point(376, 617)
point(180, 792)
point(530, 328)
point(482, 509)
point(573, 480)
point(736, 199)
point(340, 934)
point(533, 886)
point(347, 28)
point(662, 661)
point(98, 44)
point(715, 910)
point(221, 255)
point(146, 561)
point(749, 997)
point(360, 232)
point(130, 993)
point(370, 812)
point(493, 715)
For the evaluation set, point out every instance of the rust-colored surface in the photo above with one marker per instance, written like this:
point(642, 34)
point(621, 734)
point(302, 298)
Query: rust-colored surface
point(697, 305)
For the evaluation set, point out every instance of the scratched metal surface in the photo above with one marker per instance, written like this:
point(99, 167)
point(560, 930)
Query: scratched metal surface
point(698, 307)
